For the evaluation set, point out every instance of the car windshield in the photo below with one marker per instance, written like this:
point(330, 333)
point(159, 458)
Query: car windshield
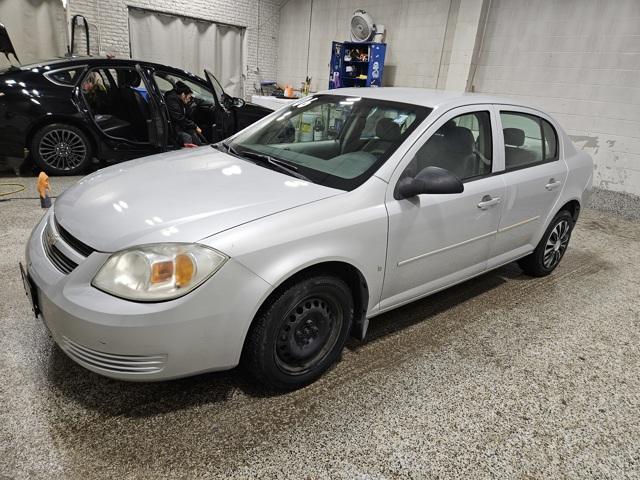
point(333, 140)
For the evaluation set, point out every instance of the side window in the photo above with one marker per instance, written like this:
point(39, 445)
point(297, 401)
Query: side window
point(67, 77)
point(167, 81)
point(528, 140)
point(463, 146)
point(550, 141)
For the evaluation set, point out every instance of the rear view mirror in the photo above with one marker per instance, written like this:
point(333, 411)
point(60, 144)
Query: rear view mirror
point(430, 180)
point(238, 102)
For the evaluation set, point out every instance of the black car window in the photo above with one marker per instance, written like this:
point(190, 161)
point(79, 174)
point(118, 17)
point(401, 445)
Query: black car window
point(166, 81)
point(67, 77)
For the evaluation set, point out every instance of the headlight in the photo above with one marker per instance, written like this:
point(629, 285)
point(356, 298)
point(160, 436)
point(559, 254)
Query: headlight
point(158, 272)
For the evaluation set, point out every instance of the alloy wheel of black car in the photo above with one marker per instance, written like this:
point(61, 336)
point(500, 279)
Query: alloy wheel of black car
point(300, 332)
point(61, 149)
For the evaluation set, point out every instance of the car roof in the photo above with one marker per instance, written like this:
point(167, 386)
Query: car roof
point(64, 62)
point(426, 97)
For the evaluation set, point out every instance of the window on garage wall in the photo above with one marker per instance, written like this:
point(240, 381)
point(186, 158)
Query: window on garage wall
point(37, 29)
point(189, 43)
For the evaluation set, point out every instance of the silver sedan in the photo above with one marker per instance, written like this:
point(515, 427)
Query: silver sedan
point(273, 247)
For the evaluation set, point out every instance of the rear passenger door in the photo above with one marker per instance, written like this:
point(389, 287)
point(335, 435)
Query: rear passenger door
point(534, 174)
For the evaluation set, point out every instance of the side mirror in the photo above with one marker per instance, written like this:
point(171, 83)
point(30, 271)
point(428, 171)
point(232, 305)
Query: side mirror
point(433, 180)
point(238, 102)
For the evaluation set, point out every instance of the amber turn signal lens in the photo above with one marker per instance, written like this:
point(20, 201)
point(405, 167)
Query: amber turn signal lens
point(185, 270)
point(161, 272)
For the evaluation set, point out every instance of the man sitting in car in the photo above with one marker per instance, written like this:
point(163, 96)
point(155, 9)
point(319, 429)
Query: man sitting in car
point(181, 103)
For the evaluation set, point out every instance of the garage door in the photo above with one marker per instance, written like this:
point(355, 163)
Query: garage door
point(36, 28)
point(189, 44)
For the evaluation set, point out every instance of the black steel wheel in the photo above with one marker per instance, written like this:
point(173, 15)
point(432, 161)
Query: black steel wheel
point(551, 248)
point(300, 332)
point(61, 149)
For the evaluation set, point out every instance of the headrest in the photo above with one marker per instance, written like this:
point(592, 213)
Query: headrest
point(448, 126)
point(460, 140)
point(514, 137)
point(129, 78)
point(388, 130)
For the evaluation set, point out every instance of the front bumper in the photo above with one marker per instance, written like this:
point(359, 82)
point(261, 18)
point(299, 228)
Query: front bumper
point(201, 331)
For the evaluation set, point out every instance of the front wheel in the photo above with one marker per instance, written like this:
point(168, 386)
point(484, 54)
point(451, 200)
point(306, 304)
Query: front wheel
point(61, 149)
point(300, 332)
point(548, 253)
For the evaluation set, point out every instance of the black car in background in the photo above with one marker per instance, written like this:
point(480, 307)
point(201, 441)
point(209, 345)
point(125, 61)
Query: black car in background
point(48, 113)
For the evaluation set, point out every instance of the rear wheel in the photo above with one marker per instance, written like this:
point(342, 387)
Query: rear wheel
point(61, 149)
point(548, 253)
point(300, 332)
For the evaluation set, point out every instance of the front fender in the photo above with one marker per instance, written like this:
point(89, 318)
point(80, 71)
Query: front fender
point(350, 228)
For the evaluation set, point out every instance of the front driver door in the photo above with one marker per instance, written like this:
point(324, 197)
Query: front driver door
point(157, 124)
point(225, 118)
point(438, 240)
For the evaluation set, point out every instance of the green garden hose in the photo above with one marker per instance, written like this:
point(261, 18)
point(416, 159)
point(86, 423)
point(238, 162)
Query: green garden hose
point(18, 190)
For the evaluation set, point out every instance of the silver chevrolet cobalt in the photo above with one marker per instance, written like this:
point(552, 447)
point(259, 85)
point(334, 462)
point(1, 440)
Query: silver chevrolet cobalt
point(272, 247)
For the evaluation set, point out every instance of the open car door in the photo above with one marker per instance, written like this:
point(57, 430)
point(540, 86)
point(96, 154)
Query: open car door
point(157, 125)
point(225, 121)
point(6, 46)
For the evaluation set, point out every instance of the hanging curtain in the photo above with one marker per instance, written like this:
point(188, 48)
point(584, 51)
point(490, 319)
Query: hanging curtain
point(37, 29)
point(190, 44)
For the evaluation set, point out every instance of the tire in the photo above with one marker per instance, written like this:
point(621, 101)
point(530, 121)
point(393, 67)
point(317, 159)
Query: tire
point(552, 247)
point(300, 332)
point(61, 149)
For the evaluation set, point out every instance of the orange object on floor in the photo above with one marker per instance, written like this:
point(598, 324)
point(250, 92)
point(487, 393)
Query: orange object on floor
point(43, 185)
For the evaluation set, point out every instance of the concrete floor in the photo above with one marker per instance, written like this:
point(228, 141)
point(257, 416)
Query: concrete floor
point(503, 376)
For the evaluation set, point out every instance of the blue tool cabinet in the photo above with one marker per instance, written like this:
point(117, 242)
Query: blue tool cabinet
point(356, 64)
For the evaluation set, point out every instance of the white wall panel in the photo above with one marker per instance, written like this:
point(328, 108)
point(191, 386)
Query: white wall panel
point(579, 60)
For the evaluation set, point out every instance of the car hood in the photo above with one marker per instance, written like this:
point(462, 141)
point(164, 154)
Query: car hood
point(180, 196)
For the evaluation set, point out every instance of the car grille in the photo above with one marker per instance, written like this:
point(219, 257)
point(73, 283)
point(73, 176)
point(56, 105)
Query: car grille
point(82, 248)
point(59, 260)
point(112, 362)
point(51, 236)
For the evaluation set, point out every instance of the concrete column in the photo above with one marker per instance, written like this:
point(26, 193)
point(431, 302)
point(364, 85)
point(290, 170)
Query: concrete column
point(465, 44)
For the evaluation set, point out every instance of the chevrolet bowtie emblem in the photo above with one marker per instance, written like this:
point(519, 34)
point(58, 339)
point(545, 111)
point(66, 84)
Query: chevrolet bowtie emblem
point(52, 237)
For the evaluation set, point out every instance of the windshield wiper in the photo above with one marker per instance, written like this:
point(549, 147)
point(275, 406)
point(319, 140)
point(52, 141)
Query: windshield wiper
point(225, 147)
point(281, 165)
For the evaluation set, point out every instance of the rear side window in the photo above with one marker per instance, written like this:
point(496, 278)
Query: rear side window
point(67, 77)
point(528, 140)
point(550, 141)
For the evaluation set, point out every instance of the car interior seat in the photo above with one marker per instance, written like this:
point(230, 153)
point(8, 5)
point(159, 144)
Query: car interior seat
point(136, 109)
point(387, 133)
point(515, 155)
point(450, 148)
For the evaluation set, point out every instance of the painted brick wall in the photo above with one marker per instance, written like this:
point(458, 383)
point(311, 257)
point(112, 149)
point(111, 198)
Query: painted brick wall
point(580, 61)
point(415, 34)
point(109, 21)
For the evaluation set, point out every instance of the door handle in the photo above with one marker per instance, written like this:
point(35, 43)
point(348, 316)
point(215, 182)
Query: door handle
point(488, 201)
point(553, 183)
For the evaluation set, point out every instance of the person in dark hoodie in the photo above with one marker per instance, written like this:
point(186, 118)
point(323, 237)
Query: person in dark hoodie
point(182, 105)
